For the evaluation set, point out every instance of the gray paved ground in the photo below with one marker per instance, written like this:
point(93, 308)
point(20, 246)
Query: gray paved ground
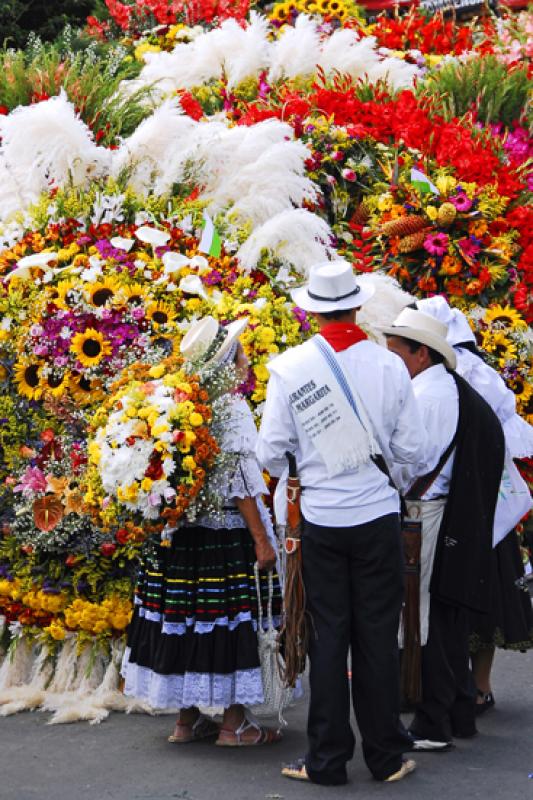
point(128, 758)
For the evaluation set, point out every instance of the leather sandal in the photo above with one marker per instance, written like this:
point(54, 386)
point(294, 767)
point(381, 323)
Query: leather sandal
point(296, 770)
point(203, 728)
point(234, 738)
point(407, 767)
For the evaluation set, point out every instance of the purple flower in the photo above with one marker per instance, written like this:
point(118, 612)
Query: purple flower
point(213, 277)
point(32, 482)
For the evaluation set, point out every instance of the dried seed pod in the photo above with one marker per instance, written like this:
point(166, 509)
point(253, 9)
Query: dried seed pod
point(361, 214)
point(446, 214)
point(413, 242)
point(403, 226)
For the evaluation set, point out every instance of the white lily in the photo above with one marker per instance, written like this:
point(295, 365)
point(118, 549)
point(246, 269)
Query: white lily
point(120, 243)
point(174, 262)
point(23, 268)
point(152, 236)
point(191, 284)
point(201, 264)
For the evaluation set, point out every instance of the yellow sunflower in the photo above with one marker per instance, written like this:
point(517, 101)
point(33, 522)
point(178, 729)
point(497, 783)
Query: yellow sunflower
point(281, 12)
point(28, 377)
point(499, 345)
point(102, 292)
point(90, 347)
point(54, 384)
point(506, 316)
point(134, 293)
point(523, 390)
point(323, 6)
point(85, 391)
point(160, 313)
point(62, 290)
point(165, 343)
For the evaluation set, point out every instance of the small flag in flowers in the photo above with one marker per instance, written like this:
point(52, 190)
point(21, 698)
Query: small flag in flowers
point(422, 182)
point(210, 242)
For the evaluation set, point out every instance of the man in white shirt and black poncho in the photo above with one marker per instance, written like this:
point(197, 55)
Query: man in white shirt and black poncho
point(455, 496)
point(336, 402)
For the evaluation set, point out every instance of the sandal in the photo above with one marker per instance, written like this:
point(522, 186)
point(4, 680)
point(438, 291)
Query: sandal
point(296, 770)
point(233, 738)
point(203, 728)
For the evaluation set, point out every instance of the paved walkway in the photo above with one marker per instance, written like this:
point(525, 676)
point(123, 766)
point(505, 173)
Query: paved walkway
point(128, 758)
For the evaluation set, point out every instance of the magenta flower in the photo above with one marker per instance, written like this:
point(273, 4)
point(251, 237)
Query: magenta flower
point(32, 482)
point(469, 247)
point(436, 243)
point(461, 202)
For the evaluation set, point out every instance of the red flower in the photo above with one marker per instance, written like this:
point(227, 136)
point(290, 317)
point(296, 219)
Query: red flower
point(191, 106)
point(122, 536)
point(108, 549)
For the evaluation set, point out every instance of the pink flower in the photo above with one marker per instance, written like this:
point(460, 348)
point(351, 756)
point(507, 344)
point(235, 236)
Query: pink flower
point(436, 243)
point(32, 482)
point(469, 247)
point(349, 175)
point(461, 202)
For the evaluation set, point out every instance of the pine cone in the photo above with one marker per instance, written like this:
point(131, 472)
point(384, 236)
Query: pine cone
point(361, 214)
point(446, 215)
point(413, 242)
point(403, 226)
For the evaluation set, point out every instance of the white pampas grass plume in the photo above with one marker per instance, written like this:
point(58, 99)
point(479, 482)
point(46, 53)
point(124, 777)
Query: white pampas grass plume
point(253, 53)
point(146, 155)
point(296, 51)
point(30, 695)
point(274, 182)
point(396, 72)
point(344, 52)
point(384, 306)
point(17, 666)
point(45, 145)
point(297, 237)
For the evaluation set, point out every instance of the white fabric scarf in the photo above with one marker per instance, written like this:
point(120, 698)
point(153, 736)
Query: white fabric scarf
point(311, 375)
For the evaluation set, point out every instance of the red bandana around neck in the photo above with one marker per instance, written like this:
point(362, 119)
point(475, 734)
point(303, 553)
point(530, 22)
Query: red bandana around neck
point(341, 335)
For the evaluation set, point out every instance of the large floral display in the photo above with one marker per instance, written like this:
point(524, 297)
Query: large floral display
point(200, 160)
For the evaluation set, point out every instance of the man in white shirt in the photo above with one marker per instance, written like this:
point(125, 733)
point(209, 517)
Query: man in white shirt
point(335, 402)
point(455, 497)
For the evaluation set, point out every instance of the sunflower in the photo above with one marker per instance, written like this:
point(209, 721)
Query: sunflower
point(504, 316)
point(101, 292)
point(165, 343)
point(281, 12)
point(160, 313)
point(54, 384)
point(523, 390)
point(323, 6)
point(134, 294)
point(85, 390)
point(62, 299)
point(90, 347)
point(499, 346)
point(28, 377)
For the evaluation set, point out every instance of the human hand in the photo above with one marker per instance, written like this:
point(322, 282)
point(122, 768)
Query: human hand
point(265, 555)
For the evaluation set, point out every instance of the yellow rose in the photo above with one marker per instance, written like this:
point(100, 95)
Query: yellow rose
point(196, 419)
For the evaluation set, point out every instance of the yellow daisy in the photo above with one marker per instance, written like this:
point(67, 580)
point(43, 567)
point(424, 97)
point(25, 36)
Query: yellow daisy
point(90, 347)
point(133, 294)
point(102, 292)
point(27, 377)
point(506, 316)
point(161, 313)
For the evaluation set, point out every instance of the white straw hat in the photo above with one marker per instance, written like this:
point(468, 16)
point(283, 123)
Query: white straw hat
point(419, 327)
point(332, 286)
point(459, 331)
point(203, 334)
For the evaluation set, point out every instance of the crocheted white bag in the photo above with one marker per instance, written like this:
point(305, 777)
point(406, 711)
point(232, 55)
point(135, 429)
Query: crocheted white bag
point(276, 696)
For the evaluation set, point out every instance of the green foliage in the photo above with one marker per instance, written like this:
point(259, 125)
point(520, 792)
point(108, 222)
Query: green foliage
point(496, 92)
point(46, 18)
point(90, 77)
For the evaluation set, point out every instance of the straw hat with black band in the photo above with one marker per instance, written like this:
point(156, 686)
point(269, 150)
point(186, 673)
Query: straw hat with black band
point(418, 327)
point(332, 286)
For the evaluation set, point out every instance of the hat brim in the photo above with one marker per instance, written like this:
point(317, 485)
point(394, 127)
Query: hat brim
point(300, 297)
point(234, 330)
point(424, 337)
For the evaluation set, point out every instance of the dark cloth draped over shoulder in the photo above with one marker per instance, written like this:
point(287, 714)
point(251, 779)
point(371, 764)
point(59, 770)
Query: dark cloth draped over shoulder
point(461, 570)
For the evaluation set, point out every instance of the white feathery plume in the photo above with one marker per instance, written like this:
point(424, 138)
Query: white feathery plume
point(31, 694)
point(45, 145)
point(266, 187)
point(384, 306)
point(396, 72)
point(295, 52)
point(17, 667)
point(148, 152)
point(253, 53)
point(344, 52)
point(297, 237)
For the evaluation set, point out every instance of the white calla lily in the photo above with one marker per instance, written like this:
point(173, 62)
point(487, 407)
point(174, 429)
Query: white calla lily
point(173, 262)
point(153, 236)
point(191, 284)
point(23, 268)
point(120, 243)
point(201, 264)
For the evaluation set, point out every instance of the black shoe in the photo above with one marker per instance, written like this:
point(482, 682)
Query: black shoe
point(421, 745)
point(488, 702)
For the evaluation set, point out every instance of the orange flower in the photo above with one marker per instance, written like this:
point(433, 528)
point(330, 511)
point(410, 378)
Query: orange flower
point(427, 284)
point(450, 266)
point(455, 287)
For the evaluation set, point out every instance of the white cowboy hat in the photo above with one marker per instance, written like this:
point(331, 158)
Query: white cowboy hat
point(202, 335)
point(332, 286)
point(459, 331)
point(419, 327)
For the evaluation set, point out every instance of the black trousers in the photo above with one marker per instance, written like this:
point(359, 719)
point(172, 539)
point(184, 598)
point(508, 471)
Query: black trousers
point(354, 585)
point(448, 690)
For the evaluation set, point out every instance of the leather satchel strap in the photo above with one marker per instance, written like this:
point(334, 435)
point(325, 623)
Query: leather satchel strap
point(422, 484)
